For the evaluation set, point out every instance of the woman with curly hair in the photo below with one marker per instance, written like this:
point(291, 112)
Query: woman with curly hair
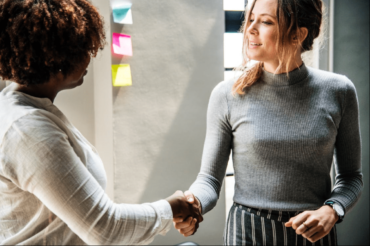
point(51, 178)
point(285, 123)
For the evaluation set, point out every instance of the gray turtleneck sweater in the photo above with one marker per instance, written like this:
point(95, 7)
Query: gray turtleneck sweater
point(284, 135)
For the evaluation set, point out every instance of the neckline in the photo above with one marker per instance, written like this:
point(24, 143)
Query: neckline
point(41, 102)
point(285, 79)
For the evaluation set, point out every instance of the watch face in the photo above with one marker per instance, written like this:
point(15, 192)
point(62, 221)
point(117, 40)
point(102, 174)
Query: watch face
point(338, 209)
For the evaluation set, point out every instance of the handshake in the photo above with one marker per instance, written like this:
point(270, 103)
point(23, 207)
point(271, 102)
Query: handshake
point(186, 211)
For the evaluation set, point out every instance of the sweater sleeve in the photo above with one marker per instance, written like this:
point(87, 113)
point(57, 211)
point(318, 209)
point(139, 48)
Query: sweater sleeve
point(216, 150)
point(348, 180)
point(41, 160)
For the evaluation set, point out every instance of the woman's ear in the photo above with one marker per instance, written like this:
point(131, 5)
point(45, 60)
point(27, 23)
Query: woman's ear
point(302, 34)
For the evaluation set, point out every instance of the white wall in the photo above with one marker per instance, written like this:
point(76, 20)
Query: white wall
point(160, 121)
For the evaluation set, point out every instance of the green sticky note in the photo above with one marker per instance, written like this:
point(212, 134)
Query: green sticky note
point(122, 13)
point(121, 75)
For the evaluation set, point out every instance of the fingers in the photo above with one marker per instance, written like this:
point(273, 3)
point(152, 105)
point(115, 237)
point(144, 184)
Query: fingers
point(196, 228)
point(177, 220)
point(189, 230)
point(193, 200)
point(181, 209)
point(318, 231)
point(188, 227)
point(306, 226)
point(302, 228)
point(185, 206)
point(317, 237)
point(299, 220)
point(184, 224)
point(195, 211)
point(189, 196)
point(312, 225)
point(312, 231)
point(198, 213)
point(290, 222)
point(179, 193)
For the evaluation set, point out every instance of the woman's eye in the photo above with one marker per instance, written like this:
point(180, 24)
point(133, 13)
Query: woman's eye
point(251, 20)
point(266, 22)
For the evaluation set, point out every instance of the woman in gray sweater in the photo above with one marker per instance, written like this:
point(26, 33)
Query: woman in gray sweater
point(285, 123)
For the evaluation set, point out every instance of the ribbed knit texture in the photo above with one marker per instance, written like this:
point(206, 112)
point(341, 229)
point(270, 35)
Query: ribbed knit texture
point(283, 134)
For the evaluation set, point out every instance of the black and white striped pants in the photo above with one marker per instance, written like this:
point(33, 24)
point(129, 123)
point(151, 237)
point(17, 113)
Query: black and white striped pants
point(249, 226)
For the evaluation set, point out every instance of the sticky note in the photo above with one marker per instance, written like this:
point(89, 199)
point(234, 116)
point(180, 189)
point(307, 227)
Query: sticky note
point(122, 13)
point(122, 44)
point(121, 75)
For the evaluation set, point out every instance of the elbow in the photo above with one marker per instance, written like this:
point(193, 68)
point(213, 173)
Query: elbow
point(350, 178)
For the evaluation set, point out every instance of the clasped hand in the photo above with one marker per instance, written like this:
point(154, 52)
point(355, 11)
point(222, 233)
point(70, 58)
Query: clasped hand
point(186, 212)
point(314, 225)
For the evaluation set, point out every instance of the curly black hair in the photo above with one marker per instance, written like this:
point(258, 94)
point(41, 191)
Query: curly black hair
point(39, 38)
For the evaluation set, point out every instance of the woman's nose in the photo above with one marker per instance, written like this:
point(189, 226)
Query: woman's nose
point(252, 29)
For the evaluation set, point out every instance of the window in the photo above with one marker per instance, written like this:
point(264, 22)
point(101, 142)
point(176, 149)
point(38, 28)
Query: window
point(232, 49)
point(234, 5)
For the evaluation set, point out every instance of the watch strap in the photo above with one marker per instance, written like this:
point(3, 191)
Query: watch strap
point(331, 204)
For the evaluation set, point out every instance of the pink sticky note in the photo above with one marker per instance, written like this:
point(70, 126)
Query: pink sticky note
point(122, 44)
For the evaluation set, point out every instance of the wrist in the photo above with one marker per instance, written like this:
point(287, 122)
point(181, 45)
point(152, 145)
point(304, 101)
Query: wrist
point(174, 204)
point(168, 199)
point(198, 204)
point(331, 211)
point(338, 210)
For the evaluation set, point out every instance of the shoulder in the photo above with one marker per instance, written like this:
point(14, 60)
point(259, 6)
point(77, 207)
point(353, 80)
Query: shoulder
point(223, 89)
point(17, 112)
point(33, 126)
point(330, 81)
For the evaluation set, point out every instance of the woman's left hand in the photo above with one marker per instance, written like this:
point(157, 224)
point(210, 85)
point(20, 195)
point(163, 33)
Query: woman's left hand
point(314, 225)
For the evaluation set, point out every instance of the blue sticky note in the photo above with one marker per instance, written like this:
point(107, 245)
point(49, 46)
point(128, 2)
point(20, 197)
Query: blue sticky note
point(122, 14)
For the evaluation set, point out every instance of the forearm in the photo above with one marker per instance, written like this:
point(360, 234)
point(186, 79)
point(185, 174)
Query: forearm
point(130, 224)
point(216, 151)
point(347, 153)
point(42, 162)
point(207, 190)
point(347, 190)
point(98, 221)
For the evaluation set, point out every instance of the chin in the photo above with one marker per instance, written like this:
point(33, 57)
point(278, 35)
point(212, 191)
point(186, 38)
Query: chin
point(76, 84)
point(252, 56)
point(80, 82)
point(255, 58)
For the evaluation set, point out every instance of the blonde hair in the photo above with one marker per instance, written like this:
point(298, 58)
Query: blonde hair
point(291, 16)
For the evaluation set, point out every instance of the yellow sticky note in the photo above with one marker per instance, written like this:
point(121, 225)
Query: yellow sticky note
point(121, 75)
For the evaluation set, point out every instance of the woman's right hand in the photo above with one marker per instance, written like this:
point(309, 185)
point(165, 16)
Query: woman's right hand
point(190, 225)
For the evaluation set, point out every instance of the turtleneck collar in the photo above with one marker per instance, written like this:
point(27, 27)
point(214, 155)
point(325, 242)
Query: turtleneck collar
point(295, 76)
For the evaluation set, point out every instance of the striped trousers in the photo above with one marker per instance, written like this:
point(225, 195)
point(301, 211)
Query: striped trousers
point(249, 226)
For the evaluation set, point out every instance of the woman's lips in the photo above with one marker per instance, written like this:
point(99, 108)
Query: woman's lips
point(254, 44)
point(251, 46)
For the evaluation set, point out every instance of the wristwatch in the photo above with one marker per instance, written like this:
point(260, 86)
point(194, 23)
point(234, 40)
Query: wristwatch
point(337, 208)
